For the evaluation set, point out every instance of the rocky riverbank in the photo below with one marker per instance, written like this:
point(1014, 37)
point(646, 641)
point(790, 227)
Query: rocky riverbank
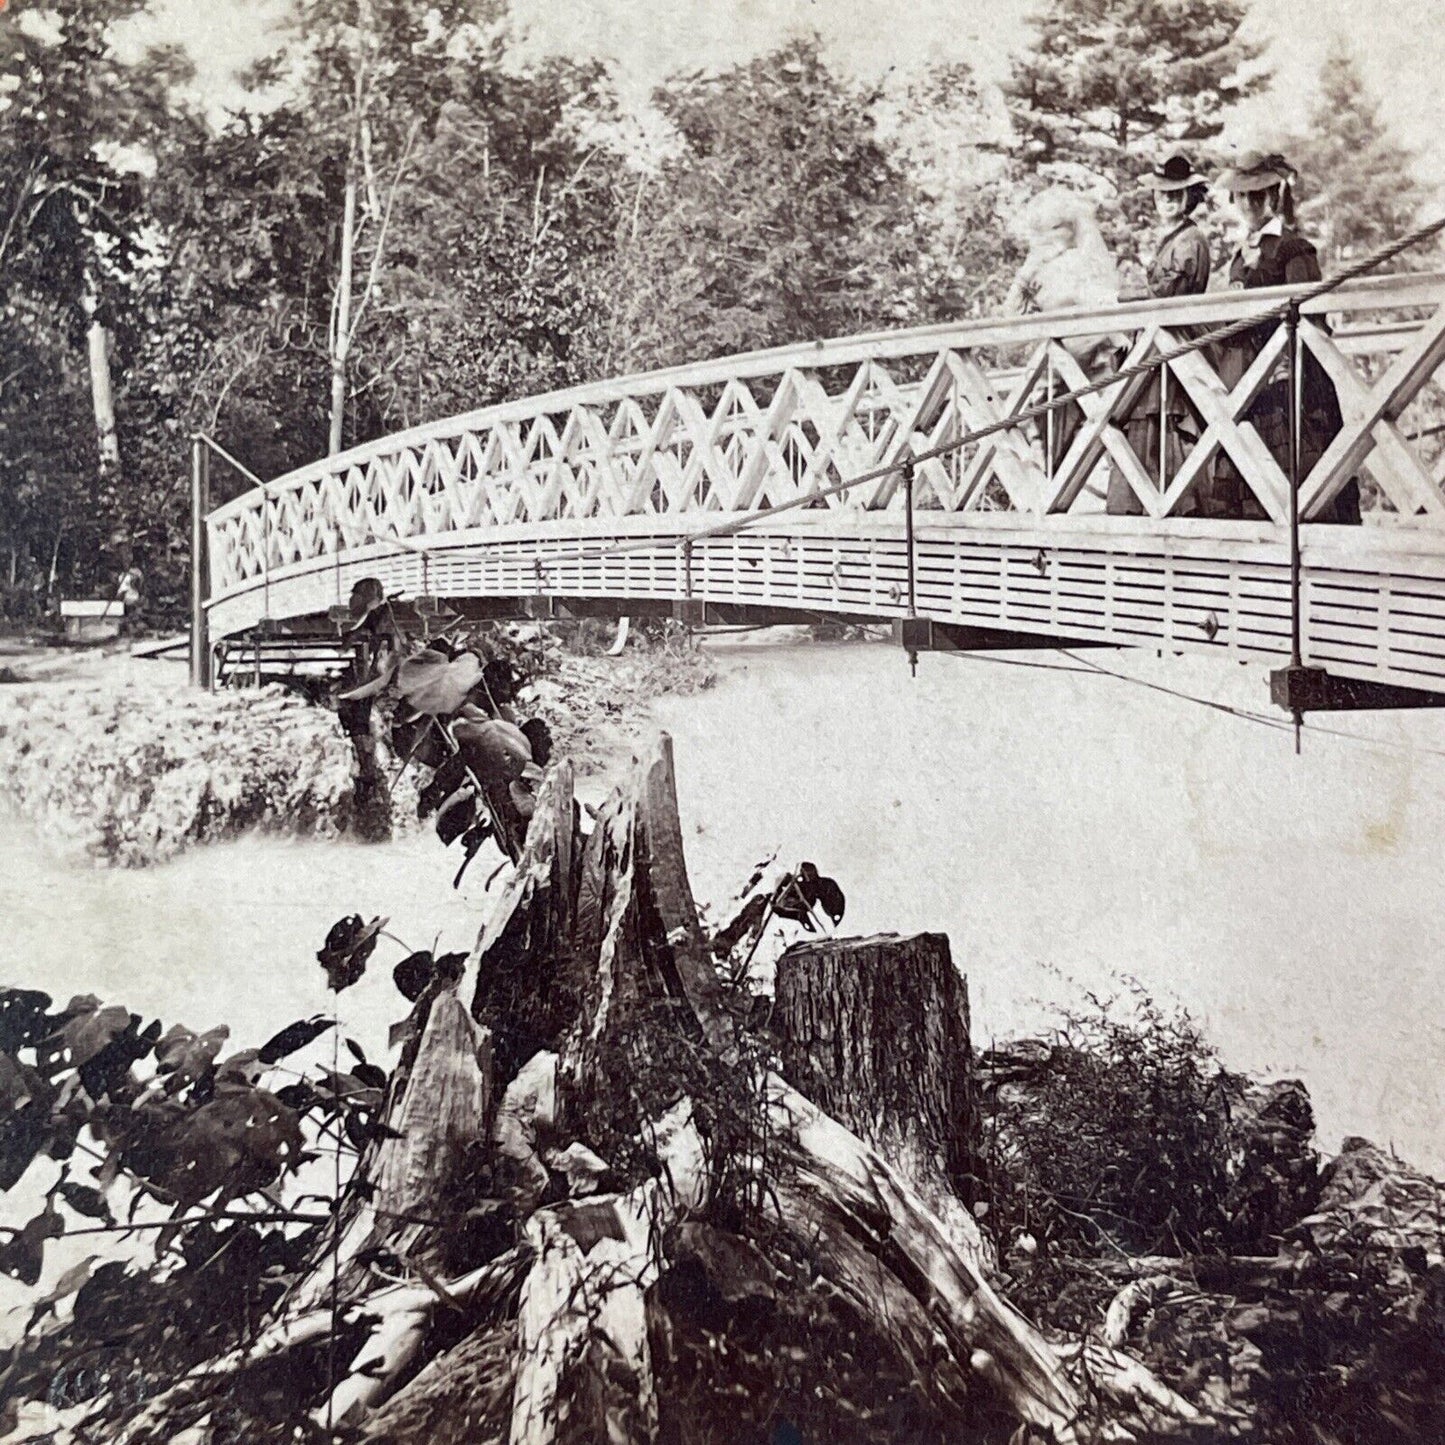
point(115, 762)
point(129, 774)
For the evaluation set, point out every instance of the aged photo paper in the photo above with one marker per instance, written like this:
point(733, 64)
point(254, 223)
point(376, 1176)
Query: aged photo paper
point(720, 722)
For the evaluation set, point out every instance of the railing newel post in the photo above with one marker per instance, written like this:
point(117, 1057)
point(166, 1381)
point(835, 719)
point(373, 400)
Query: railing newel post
point(200, 650)
point(908, 479)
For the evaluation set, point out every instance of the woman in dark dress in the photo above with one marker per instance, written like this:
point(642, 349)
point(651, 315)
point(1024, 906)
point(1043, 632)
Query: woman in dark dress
point(1161, 420)
point(1273, 253)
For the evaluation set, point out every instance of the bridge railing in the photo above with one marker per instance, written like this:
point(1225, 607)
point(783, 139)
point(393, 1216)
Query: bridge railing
point(746, 433)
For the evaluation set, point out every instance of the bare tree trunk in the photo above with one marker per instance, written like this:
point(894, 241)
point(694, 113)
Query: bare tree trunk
point(103, 399)
point(341, 318)
point(875, 1032)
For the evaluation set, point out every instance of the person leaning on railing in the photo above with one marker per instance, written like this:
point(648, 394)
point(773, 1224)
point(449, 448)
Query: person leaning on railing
point(1273, 253)
point(1160, 419)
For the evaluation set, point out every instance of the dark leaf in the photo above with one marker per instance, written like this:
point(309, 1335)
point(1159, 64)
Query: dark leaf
point(239, 1071)
point(69, 1282)
point(472, 841)
point(357, 1130)
point(362, 1131)
point(501, 680)
point(292, 1037)
point(416, 738)
point(239, 1142)
point(539, 735)
point(95, 1309)
point(370, 1075)
point(748, 918)
point(443, 783)
point(85, 1200)
point(495, 751)
point(456, 817)
point(110, 1068)
point(186, 1055)
point(22, 1256)
point(413, 974)
point(348, 946)
point(88, 1030)
point(26, 1124)
point(22, 1018)
point(450, 967)
point(821, 891)
point(788, 902)
point(299, 1096)
point(351, 1089)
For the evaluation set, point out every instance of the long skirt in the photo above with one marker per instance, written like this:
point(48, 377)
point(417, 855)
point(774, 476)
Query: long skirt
point(1229, 496)
point(1144, 434)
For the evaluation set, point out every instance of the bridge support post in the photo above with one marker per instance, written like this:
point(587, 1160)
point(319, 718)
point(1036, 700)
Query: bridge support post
point(1296, 627)
point(200, 505)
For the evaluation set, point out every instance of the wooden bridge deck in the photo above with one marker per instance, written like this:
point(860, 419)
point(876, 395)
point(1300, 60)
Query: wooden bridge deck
point(551, 500)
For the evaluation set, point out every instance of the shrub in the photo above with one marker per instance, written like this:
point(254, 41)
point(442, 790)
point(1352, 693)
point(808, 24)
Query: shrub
point(1121, 1132)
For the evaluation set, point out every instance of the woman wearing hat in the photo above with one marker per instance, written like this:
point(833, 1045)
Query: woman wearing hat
point(1273, 253)
point(1161, 420)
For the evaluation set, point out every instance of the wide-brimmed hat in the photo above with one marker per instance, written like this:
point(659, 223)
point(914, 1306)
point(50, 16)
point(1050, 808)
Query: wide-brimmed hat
point(1257, 171)
point(1174, 173)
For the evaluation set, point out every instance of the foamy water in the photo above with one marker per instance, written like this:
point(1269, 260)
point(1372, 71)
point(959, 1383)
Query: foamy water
point(1057, 821)
point(1049, 822)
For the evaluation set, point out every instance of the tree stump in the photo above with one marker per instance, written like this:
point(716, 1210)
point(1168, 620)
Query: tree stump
point(875, 1031)
point(733, 1246)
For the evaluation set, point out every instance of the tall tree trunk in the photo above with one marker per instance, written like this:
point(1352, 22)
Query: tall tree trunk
point(341, 329)
point(103, 399)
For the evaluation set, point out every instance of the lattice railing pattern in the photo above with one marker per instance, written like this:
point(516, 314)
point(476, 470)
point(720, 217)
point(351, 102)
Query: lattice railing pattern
point(748, 433)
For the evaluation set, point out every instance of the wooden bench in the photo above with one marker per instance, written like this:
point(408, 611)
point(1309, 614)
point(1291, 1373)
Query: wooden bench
point(87, 620)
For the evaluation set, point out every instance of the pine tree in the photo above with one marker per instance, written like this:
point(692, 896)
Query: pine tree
point(1107, 85)
point(1359, 188)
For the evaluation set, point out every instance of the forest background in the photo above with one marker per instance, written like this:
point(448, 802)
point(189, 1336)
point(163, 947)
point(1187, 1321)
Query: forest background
point(401, 212)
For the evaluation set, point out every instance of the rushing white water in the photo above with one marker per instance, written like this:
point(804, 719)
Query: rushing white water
point(1044, 820)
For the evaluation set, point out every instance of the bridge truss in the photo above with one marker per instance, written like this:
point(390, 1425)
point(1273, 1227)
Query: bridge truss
point(660, 492)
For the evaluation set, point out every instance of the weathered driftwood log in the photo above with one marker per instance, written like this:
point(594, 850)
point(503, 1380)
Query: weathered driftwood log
point(439, 1107)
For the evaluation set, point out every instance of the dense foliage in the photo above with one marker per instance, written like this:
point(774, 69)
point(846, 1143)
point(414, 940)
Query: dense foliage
point(407, 219)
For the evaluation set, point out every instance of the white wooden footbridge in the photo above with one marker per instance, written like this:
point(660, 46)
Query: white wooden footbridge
point(662, 493)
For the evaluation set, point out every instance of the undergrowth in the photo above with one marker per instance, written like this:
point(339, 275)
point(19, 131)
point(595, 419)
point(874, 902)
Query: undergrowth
point(1122, 1136)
